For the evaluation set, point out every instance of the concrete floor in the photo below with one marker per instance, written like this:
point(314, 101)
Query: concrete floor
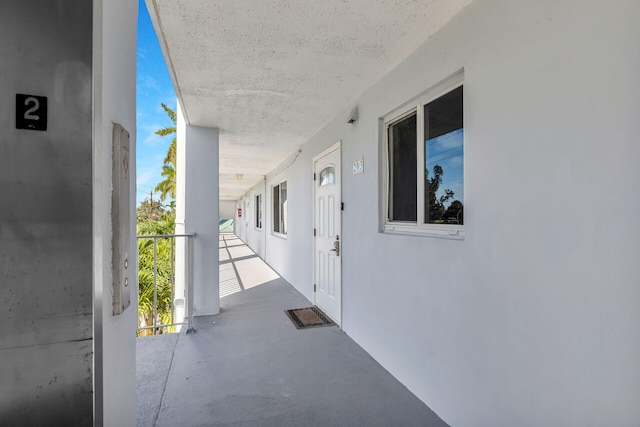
point(249, 366)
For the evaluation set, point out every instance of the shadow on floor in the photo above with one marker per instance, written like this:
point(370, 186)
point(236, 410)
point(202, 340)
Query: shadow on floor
point(250, 366)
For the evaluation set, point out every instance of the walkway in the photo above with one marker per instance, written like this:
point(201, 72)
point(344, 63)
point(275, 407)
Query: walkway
point(249, 366)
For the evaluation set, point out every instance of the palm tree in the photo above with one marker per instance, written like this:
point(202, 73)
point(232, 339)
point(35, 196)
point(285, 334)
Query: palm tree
point(167, 187)
point(152, 219)
point(163, 267)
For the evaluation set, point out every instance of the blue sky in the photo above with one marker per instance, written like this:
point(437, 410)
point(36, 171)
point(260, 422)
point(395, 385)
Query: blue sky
point(153, 87)
point(447, 151)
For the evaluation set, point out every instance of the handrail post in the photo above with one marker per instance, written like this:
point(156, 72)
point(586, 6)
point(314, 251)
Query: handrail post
point(155, 285)
point(182, 311)
point(190, 328)
point(173, 280)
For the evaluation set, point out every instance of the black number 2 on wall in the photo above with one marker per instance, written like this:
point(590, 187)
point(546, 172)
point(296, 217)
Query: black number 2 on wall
point(31, 112)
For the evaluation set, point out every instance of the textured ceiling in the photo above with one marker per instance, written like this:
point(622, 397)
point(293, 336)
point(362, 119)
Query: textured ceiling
point(270, 73)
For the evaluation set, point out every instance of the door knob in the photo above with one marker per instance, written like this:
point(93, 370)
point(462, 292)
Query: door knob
point(336, 247)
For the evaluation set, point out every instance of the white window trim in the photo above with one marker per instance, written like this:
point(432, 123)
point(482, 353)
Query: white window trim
point(416, 105)
point(273, 232)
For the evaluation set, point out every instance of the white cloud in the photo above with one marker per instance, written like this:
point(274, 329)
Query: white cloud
point(146, 85)
point(153, 139)
point(456, 161)
point(149, 137)
point(170, 100)
point(146, 177)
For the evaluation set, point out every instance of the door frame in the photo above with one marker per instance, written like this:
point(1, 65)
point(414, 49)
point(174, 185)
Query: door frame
point(334, 147)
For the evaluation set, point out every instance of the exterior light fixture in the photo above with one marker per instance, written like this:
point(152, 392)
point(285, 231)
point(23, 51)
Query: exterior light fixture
point(239, 176)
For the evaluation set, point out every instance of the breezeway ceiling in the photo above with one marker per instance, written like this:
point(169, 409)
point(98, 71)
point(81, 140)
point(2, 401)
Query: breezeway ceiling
point(271, 73)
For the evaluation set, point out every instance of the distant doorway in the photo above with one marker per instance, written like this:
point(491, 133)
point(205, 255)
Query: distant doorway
point(327, 224)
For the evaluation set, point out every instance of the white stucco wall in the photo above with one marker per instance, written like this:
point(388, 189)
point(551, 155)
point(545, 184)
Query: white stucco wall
point(291, 255)
point(114, 77)
point(532, 319)
point(245, 227)
point(275, 248)
point(227, 209)
point(240, 225)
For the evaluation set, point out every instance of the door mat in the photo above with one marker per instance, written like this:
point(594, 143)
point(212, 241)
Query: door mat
point(309, 317)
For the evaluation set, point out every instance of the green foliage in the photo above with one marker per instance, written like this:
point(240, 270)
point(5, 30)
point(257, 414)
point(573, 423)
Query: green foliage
point(454, 213)
point(172, 114)
point(150, 210)
point(437, 214)
point(167, 187)
point(152, 219)
point(170, 158)
point(151, 224)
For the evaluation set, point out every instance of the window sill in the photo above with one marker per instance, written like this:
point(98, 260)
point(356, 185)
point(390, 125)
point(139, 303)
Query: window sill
point(443, 232)
point(279, 235)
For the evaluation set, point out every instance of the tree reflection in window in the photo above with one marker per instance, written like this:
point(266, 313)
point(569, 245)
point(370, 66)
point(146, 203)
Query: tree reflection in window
point(444, 151)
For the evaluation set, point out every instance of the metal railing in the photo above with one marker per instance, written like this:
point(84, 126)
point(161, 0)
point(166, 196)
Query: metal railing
point(161, 308)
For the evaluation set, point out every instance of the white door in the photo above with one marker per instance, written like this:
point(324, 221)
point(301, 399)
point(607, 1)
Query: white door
point(328, 240)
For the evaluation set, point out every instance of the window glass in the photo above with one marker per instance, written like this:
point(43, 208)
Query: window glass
point(283, 208)
point(402, 174)
point(276, 208)
point(444, 159)
point(425, 166)
point(327, 176)
point(259, 211)
point(280, 208)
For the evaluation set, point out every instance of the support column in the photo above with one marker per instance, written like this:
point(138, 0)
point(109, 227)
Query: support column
point(197, 212)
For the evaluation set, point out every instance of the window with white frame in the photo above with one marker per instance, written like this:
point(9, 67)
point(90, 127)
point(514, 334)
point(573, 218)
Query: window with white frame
point(424, 147)
point(280, 208)
point(259, 211)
